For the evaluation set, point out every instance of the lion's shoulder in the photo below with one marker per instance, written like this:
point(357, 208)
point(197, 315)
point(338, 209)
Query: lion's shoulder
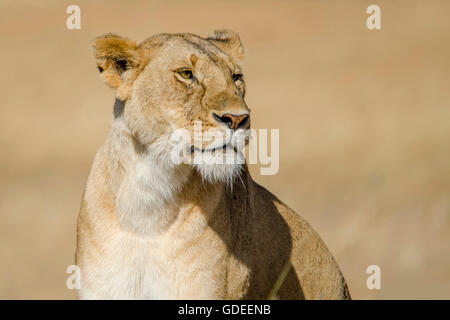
point(314, 267)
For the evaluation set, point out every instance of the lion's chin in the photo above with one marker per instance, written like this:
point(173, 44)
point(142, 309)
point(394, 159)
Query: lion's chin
point(214, 173)
point(224, 166)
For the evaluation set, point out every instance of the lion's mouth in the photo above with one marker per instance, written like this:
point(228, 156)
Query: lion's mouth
point(223, 148)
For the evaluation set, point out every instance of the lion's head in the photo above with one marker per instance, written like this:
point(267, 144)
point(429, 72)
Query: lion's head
point(170, 86)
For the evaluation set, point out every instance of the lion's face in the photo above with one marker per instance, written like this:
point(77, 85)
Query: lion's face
point(184, 96)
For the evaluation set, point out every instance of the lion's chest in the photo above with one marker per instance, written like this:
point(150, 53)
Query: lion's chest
point(160, 268)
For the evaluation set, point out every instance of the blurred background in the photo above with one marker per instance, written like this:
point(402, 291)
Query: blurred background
point(364, 119)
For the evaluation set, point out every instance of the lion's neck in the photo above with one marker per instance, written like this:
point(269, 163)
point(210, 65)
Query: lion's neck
point(151, 193)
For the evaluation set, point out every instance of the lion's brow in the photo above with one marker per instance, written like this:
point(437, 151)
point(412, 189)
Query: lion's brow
point(211, 55)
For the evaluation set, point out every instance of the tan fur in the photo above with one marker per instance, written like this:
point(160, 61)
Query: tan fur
point(149, 229)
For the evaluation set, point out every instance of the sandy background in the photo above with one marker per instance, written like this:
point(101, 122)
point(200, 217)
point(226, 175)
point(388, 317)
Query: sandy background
point(364, 119)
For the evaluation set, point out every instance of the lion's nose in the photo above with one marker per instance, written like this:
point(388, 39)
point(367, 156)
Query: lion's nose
point(234, 121)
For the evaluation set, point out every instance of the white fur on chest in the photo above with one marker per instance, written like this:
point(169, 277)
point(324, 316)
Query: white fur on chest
point(155, 253)
point(160, 268)
point(145, 199)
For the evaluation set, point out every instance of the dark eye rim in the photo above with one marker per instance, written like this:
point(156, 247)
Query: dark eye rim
point(187, 72)
point(237, 77)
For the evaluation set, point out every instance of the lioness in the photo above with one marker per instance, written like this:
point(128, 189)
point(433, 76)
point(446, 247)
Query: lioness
point(152, 228)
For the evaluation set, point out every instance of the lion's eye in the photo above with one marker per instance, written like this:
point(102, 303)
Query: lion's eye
point(185, 74)
point(237, 77)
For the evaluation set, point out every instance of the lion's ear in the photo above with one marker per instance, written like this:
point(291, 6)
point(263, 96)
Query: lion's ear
point(229, 42)
point(118, 60)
